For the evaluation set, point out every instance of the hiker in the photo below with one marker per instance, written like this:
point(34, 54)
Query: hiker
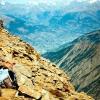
point(5, 80)
point(1, 24)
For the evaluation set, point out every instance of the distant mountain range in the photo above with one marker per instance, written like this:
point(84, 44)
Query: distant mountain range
point(81, 59)
point(46, 28)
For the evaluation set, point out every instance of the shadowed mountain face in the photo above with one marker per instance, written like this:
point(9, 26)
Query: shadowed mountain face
point(81, 59)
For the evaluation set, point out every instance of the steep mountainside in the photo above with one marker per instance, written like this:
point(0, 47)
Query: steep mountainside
point(81, 59)
point(29, 76)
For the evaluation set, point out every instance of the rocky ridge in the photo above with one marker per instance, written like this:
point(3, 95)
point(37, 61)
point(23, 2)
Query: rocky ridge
point(33, 77)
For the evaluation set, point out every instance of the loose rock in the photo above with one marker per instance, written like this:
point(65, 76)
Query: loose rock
point(34, 78)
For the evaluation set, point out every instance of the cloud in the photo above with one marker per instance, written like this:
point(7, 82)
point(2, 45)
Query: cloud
point(93, 1)
point(57, 2)
point(2, 2)
point(89, 1)
point(47, 2)
point(54, 5)
point(50, 2)
point(37, 2)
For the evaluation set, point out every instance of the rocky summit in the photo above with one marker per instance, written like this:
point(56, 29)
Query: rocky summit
point(30, 76)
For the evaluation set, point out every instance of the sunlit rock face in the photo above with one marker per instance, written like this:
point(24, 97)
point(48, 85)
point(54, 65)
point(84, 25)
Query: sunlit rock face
point(81, 60)
point(32, 77)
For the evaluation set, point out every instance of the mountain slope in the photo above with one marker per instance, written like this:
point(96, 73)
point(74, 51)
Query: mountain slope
point(81, 59)
point(29, 76)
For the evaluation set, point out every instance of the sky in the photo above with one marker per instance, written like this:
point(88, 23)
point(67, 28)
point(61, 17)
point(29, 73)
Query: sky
point(53, 2)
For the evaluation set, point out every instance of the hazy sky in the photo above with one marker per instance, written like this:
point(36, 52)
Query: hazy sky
point(47, 1)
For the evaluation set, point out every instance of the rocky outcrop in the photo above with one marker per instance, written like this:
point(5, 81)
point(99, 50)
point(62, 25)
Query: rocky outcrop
point(81, 60)
point(32, 77)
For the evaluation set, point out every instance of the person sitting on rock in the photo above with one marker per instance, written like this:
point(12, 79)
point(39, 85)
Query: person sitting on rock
point(1, 24)
point(5, 80)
